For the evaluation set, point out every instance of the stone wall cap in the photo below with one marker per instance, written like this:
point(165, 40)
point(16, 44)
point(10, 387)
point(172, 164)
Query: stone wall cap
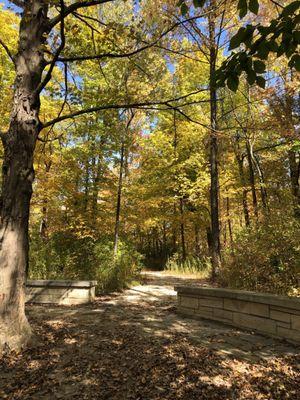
point(61, 283)
point(265, 298)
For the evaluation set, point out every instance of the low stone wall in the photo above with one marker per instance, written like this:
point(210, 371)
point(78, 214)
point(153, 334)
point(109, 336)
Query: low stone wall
point(60, 292)
point(278, 316)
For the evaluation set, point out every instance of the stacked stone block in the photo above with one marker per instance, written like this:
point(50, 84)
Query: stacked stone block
point(278, 316)
point(60, 292)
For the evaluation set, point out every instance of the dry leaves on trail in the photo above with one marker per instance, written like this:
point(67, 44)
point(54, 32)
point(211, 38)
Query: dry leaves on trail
point(104, 351)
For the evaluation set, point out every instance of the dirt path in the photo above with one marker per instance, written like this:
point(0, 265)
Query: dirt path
point(134, 346)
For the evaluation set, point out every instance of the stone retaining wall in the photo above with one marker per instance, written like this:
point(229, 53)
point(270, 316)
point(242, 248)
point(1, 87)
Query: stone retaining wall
point(274, 315)
point(60, 292)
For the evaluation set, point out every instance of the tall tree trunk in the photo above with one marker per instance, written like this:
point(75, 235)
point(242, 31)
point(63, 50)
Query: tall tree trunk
point(252, 179)
point(44, 221)
point(86, 187)
point(97, 170)
point(165, 240)
point(263, 190)
point(123, 160)
point(240, 162)
point(18, 175)
point(229, 221)
point(119, 198)
point(294, 166)
point(197, 241)
point(182, 230)
point(174, 231)
point(214, 174)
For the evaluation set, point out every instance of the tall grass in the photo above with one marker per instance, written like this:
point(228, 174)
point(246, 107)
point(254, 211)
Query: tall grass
point(192, 265)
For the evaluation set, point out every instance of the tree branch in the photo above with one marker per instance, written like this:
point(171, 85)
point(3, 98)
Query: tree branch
point(73, 7)
point(77, 113)
point(50, 140)
point(130, 53)
point(18, 3)
point(8, 52)
point(57, 53)
point(272, 146)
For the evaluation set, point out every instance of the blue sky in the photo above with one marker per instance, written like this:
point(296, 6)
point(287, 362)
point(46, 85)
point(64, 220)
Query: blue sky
point(9, 4)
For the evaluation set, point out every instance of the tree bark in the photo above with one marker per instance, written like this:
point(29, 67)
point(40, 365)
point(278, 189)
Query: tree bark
point(197, 241)
point(263, 190)
point(252, 180)
point(240, 162)
point(44, 221)
point(229, 221)
point(182, 230)
point(119, 198)
point(18, 175)
point(294, 166)
point(214, 173)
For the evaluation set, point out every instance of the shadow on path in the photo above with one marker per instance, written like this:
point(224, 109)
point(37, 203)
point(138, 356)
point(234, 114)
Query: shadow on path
point(134, 346)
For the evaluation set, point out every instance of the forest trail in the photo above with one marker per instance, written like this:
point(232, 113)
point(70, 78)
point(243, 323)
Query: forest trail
point(133, 345)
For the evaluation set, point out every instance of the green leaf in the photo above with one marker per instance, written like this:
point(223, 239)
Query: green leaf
point(199, 3)
point(237, 39)
point(296, 36)
point(249, 63)
point(280, 50)
point(184, 9)
point(290, 9)
point(248, 35)
point(263, 51)
point(260, 80)
point(259, 66)
point(253, 6)
point(273, 46)
point(242, 7)
point(295, 62)
point(251, 76)
point(290, 50)
point(264, 30)
point(233, 83)
point(296, 146)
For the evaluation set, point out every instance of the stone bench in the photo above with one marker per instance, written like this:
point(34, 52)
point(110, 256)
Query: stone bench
point(60, 292)
point(277, 316)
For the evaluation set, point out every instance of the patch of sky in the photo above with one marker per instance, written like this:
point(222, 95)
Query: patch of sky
point(8, 5)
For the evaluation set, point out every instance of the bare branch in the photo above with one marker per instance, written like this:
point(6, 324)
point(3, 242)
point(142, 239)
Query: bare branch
point(63, 104)
point(57, 53)
point(273, 145)
point(18, 3)
point(90, 18)
point(73, 7)
point(277, 4)
point(181, 54)
point(49, 140)
point(191, 119)
point(77, 113)
point(8, 52)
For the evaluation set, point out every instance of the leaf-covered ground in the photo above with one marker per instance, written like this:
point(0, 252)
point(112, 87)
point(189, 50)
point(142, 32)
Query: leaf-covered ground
point(134, 346)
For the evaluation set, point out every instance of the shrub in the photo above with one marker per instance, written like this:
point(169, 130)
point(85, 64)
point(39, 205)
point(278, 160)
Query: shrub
point(66, 256)
point(265, 259)
point(115, 273)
